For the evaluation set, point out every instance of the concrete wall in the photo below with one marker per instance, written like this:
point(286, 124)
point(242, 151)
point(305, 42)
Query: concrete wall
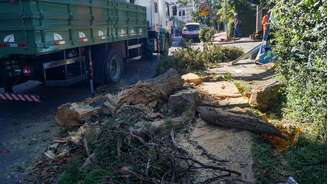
point(247, 16)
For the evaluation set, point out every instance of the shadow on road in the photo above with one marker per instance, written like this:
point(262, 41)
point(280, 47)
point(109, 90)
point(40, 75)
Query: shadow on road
point(28, 128)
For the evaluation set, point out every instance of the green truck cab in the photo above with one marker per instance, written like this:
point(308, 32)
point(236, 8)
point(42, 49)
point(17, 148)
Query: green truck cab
point(53, 40)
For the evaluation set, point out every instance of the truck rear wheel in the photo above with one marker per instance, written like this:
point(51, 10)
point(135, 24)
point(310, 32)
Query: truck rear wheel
point(114, 66)
point(6, 81)
point(166, 48)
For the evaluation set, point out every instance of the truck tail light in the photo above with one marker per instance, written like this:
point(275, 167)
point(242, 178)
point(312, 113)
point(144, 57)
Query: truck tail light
point(26, 70)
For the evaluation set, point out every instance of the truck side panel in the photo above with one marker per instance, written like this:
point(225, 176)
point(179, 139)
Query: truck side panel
point(46, 26)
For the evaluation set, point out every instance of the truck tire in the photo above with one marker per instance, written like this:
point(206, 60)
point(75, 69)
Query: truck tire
point(114, 66)
point(167, 46)
point(5, 81)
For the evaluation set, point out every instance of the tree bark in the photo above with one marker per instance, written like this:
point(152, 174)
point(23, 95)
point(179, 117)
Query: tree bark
point(147, 93)
point(216, 116)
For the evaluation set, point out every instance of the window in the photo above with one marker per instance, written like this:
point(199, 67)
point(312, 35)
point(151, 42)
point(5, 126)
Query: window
point(183, 12)
point(180, 13)
point(156, 7)
point(174, 10)
point(168, 10)
point(192, 27)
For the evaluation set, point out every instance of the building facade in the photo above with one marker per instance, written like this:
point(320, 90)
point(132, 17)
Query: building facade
point(157, 13)
point(182, 12)
point(167, 14)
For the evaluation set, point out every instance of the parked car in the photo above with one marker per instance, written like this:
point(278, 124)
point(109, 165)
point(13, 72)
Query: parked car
point(191, 31)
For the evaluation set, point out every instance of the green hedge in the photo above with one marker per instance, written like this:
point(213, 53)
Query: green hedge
point(300, 42)
point(206, 34)
point(195, 60)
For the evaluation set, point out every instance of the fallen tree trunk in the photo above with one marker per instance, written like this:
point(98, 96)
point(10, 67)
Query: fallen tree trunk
point(147, 93)
point(216, 116)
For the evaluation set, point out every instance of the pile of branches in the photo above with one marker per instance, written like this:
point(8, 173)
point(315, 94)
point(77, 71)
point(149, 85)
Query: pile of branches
point(128, 137)
point(132, 157)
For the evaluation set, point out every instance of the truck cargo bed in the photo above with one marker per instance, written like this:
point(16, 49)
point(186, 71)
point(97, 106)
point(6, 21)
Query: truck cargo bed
point(36, 27)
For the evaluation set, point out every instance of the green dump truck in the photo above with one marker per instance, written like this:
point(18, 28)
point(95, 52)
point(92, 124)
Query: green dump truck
point(64, 41)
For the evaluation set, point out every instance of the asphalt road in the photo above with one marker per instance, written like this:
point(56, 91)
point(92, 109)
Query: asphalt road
point(244, 43)
point(26, 129)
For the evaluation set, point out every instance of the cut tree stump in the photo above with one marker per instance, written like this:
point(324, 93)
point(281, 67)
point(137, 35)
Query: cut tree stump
point(182, 101)
point(217, 116)
point(265, 96)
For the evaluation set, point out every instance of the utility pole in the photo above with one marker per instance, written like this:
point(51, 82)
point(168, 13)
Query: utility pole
point(225, 17)
point(213, 18)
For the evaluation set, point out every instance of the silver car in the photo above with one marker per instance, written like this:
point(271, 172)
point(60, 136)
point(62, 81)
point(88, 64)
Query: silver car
point(191, 31)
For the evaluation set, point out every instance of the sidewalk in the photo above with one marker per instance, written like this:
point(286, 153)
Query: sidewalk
point(221, 38)
point(241, 40)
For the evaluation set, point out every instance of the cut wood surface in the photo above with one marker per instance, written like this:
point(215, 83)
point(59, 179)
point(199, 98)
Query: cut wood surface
point(192, 78)
point(220, 117)
point(72, 114)
point(220, 89)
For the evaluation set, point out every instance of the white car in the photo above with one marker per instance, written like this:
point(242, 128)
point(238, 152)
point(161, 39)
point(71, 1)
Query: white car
point(191, 31)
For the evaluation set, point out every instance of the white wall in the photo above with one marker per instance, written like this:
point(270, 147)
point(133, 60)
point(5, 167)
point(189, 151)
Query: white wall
point(156, 20)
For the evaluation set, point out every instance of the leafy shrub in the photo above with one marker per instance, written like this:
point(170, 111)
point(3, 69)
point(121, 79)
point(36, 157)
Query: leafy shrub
point(206, 34)
point(227, 76)
point(300, 42)
point(185, 60)
point(306, 164)
point(231, 53)
point(72, 173)
point(185, 43)
point(191, 60)
point(243, 87)
point(216, 54)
